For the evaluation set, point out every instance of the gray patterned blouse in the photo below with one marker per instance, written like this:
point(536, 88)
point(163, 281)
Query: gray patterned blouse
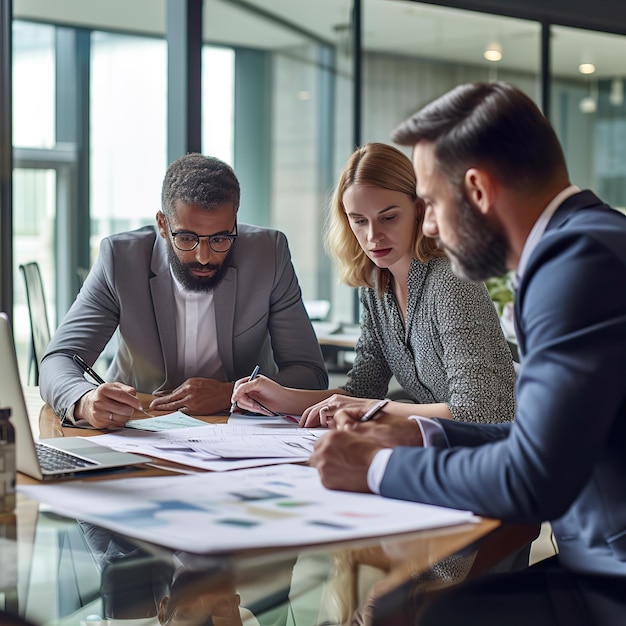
point(452, 349)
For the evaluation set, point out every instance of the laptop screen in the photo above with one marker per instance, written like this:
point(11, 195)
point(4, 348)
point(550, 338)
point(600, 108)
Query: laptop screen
point(12, 396)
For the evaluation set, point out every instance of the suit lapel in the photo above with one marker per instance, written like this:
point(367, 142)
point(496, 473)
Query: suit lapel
point(224, 300)
point(161, 288)
point(579, 201)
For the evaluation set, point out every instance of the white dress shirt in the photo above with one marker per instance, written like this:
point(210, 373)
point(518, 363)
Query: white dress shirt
point(196, 333)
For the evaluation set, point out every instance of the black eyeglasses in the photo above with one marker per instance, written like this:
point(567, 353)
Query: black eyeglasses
point(187, 241)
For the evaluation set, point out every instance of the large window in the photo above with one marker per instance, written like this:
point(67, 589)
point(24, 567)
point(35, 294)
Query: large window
point(34, 184)
point(218, 93)
point(285, 118)
point(128, 132)
point(589, 111)
point(33, 85)
point(128, 127)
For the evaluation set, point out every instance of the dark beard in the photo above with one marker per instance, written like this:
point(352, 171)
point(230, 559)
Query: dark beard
point(183, 274)
point(481, 250)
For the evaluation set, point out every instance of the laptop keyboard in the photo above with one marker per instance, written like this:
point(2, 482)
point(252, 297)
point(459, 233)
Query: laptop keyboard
point(54, 460)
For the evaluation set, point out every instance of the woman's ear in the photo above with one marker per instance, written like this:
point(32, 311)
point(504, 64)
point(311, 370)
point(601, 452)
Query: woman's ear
point(480, 189)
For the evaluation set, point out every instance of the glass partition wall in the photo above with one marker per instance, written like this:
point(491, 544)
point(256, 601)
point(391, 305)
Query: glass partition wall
point(279, 103)
point(589, 112)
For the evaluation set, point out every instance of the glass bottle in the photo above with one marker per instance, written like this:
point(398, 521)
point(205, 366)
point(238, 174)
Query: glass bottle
point(7, 463)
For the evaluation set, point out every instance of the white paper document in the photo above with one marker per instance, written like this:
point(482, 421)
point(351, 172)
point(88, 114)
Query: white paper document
point(281, 505)
point(257, 419)
point(219, 447)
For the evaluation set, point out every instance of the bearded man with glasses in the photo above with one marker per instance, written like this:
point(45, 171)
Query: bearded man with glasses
point(196, 303)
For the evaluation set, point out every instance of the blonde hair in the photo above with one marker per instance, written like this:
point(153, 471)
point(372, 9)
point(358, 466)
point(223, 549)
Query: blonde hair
point(377, 165)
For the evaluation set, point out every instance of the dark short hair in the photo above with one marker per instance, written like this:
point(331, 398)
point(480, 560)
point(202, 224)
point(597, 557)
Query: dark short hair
point(492, 125)
point(200, 180)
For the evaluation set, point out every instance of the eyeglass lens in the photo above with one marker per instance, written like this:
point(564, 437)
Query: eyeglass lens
point(189, 241)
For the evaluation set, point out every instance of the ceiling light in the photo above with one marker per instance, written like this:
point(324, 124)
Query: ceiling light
point(493, 52)
point(586, 68)
point(588, 105)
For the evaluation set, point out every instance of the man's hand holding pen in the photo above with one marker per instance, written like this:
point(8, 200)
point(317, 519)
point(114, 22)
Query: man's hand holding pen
point(109, 405)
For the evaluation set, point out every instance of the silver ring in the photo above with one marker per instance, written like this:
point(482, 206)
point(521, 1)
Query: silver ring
point(110, 416)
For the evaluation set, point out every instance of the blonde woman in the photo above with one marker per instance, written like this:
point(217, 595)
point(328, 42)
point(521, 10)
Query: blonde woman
point(438, 335)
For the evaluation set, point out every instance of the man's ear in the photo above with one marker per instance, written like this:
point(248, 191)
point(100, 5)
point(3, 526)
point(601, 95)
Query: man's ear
point(160, 218)
point(480, 189)
point(162, 609)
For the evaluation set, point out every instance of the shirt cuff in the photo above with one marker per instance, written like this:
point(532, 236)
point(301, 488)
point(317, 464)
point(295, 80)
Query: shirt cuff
point(433, 434)
point(69, 419)
point(377, 468)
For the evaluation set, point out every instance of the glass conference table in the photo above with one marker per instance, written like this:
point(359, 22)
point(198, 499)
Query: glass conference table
point(57, 570)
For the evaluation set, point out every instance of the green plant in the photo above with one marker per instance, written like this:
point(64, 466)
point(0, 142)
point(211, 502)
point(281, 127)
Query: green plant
point(500, 291)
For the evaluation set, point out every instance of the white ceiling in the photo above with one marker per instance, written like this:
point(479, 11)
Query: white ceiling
point(391, 26)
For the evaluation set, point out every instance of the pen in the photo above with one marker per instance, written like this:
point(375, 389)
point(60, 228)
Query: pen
point(255, 372)
point(88, 370)
point(371, 412)
point(79, 361)
point(252, 376)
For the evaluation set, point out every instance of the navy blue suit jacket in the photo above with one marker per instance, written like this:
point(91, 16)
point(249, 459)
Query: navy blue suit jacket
point(564, 458)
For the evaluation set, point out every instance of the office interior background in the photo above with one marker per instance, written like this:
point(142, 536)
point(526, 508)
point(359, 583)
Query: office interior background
point(94, 103)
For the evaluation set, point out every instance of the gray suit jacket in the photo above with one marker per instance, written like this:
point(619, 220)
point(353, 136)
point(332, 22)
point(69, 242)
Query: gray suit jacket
point(564, 458)
point(259, 314)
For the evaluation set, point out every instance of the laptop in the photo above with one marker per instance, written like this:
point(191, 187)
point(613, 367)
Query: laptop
point(70, 455)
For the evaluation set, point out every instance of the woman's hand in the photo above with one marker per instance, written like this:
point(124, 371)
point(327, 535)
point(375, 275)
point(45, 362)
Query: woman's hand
point(250, 395)
point(323, 413)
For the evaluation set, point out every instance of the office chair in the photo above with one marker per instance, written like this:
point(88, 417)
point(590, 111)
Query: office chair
point(38, 315)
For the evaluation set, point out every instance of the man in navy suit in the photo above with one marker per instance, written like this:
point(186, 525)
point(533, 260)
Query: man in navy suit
point(493, 178)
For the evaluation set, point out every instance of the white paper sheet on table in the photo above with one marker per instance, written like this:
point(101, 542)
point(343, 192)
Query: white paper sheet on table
point(199, 446)
point(257, 419)
point(281, 505)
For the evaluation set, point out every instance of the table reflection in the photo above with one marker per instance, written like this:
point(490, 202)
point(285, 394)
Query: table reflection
point(177, 589)
point(73, 573)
